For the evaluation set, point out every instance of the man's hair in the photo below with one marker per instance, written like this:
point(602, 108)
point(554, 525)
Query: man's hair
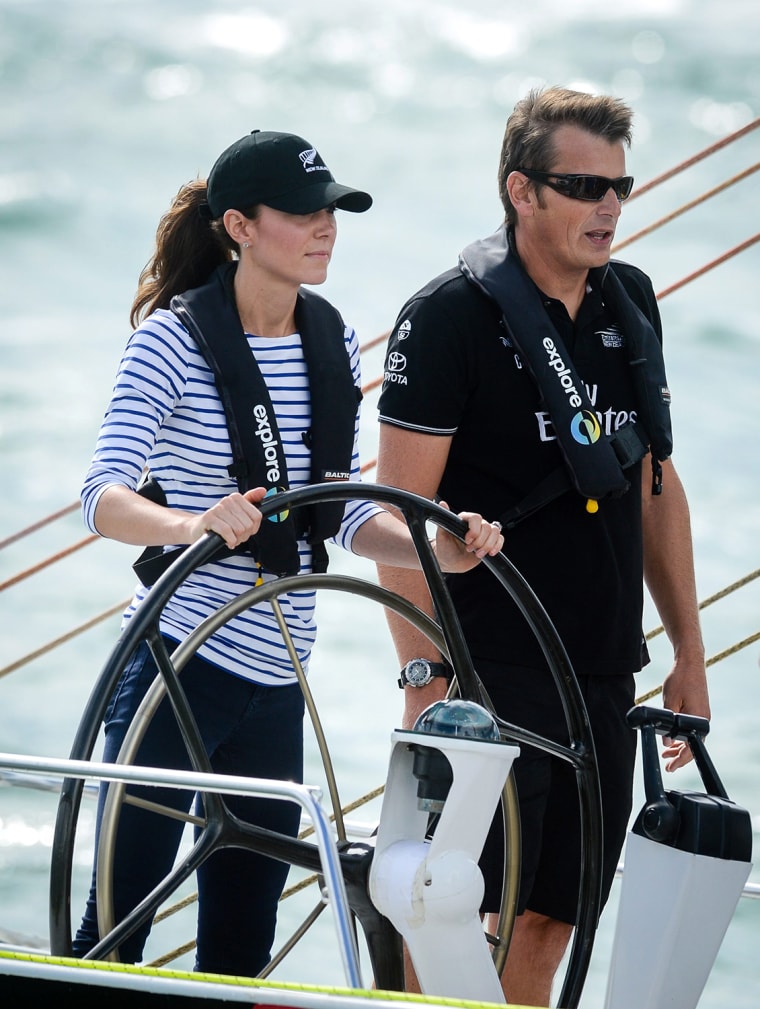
point(529, 136)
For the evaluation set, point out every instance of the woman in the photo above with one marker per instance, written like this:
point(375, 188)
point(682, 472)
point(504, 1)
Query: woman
point(231, 256)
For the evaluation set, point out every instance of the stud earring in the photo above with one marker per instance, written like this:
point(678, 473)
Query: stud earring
point(246, 245)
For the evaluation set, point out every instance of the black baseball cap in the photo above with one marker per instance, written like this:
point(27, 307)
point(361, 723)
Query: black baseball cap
point(280, 170)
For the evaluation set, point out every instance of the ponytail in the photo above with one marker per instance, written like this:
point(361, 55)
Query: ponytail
point(189, 247)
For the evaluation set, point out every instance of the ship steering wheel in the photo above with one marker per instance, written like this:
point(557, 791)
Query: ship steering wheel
point(220, 828)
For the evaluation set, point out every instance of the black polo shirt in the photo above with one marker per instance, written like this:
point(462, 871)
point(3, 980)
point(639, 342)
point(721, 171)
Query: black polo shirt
point(450, 370)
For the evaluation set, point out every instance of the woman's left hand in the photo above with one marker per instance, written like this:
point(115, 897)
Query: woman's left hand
point(482, 539)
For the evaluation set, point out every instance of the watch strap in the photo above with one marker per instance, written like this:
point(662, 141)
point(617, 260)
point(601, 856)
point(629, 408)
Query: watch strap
point(436, 669)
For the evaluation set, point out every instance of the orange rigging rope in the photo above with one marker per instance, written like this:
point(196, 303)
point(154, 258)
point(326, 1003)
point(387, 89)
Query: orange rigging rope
point(694, 159)
point(47, 562)
point(73, 633)
point(381, 338)
point(709, 266)
point(39, 525)
point(687, 206)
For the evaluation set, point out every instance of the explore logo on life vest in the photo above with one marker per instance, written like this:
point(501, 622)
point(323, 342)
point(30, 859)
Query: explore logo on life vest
point(268, 441)
point(563, 372)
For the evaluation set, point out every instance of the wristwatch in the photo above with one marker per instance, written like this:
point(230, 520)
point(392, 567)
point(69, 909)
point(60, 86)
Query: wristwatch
point(419, 672)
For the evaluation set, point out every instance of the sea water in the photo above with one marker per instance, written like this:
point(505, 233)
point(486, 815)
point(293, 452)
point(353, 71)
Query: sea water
point(107, 107)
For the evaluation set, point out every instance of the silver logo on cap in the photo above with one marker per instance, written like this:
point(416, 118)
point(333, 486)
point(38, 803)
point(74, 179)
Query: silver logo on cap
point(307, 160)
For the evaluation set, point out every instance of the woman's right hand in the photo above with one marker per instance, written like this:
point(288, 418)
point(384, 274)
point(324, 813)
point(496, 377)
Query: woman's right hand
point(235, 518)
point(124, 515)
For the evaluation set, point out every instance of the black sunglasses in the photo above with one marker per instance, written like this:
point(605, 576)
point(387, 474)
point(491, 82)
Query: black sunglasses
point(582, 187)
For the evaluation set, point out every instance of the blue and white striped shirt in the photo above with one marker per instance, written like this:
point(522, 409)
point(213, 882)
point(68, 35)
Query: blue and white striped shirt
point(165, 414)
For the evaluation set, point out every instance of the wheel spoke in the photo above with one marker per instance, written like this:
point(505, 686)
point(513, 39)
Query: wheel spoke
point(316, 721)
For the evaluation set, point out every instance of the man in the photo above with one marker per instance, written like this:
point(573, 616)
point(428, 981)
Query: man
point(511, 385)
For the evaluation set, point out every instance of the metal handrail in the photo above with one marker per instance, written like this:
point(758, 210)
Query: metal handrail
point(307, 796)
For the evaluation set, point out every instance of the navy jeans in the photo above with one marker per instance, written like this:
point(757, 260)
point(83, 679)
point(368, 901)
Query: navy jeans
point(247, 729)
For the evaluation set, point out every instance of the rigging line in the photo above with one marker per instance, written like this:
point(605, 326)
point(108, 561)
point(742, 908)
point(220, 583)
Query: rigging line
point(39, 525)
point(671, 172)
point(348, 808)
point(173, 954)
point(47, 562)
point(24, 660)
point(709, 266)
point(740, 583)
point(687, 206)
point(173, 909)
point(374, 341)
point(721, 594)
point(718, 657)
point(372, 384)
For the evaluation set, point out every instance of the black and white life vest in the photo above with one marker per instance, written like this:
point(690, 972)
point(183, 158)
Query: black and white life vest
point(210, 315)
point(594, 462)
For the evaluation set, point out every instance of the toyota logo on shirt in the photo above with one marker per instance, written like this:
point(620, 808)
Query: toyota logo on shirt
point(395, 363)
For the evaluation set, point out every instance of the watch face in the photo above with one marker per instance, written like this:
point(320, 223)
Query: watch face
point(418, 672)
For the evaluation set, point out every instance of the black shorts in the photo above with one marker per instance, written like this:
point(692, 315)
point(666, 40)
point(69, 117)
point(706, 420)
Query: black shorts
point(547, 789)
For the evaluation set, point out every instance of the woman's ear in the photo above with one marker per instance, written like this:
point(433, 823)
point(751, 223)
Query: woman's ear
point(239, 227)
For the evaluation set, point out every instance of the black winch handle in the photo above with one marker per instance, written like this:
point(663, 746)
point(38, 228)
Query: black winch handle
point(691, 728)
point(668, 723)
